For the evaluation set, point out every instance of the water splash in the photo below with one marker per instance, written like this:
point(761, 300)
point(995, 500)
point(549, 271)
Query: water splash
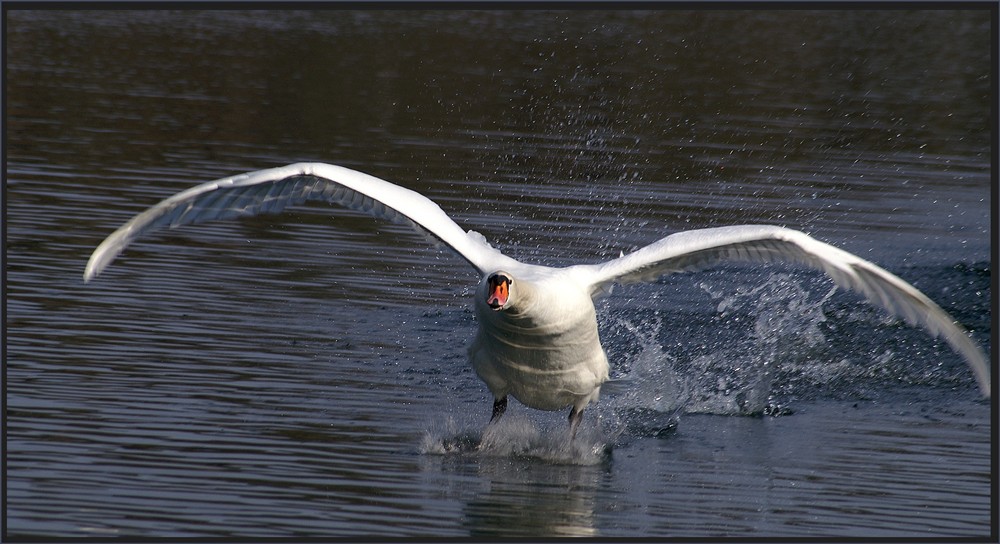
point(653, 384)
point(786, 334)
point(517, 436)
point(736, 374)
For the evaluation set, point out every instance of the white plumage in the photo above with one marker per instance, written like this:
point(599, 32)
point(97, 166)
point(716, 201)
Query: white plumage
point(537, 337)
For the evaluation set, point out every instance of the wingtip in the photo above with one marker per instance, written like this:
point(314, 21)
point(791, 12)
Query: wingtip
point(986, 389)
point(88, 274)
point(93, 269)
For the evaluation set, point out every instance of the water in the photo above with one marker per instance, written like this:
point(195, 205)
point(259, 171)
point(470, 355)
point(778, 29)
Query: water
point(304, 374)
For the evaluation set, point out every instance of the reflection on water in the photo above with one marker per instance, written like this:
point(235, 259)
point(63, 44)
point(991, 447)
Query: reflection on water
point(304, 375)
point(534, 481)
point(561, 500)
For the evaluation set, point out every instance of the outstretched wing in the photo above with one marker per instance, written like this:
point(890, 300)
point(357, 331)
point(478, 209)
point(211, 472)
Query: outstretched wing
point(270, 191)
point(698, 249)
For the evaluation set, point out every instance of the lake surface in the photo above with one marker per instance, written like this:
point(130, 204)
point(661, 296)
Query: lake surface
point(304, 374)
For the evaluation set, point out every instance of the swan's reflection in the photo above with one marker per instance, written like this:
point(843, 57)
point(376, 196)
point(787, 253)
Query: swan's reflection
point(529, 482)
point(532, 497)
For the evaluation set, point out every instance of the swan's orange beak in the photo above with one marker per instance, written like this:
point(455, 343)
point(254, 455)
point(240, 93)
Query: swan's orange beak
point(498, 291)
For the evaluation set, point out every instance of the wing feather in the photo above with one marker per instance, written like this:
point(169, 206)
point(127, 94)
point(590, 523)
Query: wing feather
point(698, 249)
point(272, 190)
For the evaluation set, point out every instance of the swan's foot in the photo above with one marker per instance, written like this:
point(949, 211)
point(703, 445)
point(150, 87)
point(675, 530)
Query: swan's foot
point(575, 417)
point(499, 407)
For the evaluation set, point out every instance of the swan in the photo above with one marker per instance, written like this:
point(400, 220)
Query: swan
point(537, 338)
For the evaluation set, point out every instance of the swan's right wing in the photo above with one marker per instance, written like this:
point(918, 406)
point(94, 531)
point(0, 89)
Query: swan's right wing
point(699, 249)
point(270, 191)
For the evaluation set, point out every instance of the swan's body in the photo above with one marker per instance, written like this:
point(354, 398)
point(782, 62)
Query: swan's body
point(538, 337)
point(543, 346)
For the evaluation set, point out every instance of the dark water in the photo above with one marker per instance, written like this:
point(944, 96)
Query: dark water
point(305, 375)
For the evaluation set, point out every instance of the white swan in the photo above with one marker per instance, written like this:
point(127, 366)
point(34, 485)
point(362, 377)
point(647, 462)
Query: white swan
point(537, 337)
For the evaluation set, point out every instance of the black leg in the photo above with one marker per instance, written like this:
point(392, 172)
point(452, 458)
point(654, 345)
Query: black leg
point(575, 417)
point(499, 407)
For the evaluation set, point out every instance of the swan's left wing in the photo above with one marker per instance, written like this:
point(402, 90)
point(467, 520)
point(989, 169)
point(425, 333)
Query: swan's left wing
point(698, 249)
point(270, 191)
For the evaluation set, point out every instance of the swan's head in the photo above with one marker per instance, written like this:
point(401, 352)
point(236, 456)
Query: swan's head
point(498, 286)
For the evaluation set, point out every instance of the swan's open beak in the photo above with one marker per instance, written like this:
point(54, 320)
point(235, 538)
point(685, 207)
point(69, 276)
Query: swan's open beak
point(498, 292)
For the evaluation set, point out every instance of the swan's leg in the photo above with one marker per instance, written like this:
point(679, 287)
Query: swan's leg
point(575, 417)
point(499, 407)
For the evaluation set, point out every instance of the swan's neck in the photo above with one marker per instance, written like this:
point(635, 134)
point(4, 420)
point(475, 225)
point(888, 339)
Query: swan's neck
point(523, 301)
